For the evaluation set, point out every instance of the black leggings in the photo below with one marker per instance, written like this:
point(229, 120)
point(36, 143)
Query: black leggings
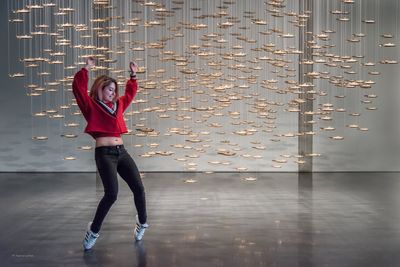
point(109, 161)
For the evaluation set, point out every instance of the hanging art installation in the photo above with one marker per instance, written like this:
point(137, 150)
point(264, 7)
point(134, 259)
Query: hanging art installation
point(217, 77)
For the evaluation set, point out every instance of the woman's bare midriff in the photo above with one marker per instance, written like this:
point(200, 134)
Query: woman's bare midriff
point(108, 141)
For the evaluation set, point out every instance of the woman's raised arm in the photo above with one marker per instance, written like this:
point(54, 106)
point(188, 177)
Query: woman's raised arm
point(80, 85)
point(131, 86)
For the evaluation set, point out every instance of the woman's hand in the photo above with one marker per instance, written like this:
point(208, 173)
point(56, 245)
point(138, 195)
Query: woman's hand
point(90, 63)
point(133, 68)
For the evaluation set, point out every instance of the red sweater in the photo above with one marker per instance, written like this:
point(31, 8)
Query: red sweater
point(99, 121)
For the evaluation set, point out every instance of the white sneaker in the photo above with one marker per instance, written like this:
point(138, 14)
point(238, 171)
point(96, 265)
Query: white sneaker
point(90, 238)
point(139, 229)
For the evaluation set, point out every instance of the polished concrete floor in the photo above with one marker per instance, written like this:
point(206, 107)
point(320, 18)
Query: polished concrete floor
point(281, 219)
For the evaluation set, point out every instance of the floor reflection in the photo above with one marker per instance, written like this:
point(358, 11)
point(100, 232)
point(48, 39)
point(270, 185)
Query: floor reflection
point(305, 220)
point(141, 254)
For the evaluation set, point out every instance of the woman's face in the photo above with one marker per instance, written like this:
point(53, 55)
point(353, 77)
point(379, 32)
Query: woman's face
point(108, 93)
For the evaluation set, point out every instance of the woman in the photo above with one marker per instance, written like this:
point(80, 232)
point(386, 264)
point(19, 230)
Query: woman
point(103, 110)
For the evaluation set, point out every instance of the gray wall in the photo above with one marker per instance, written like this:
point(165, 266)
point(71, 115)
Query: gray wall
point(376, 150)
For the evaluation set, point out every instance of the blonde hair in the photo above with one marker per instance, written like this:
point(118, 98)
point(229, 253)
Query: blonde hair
point(99, 84)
